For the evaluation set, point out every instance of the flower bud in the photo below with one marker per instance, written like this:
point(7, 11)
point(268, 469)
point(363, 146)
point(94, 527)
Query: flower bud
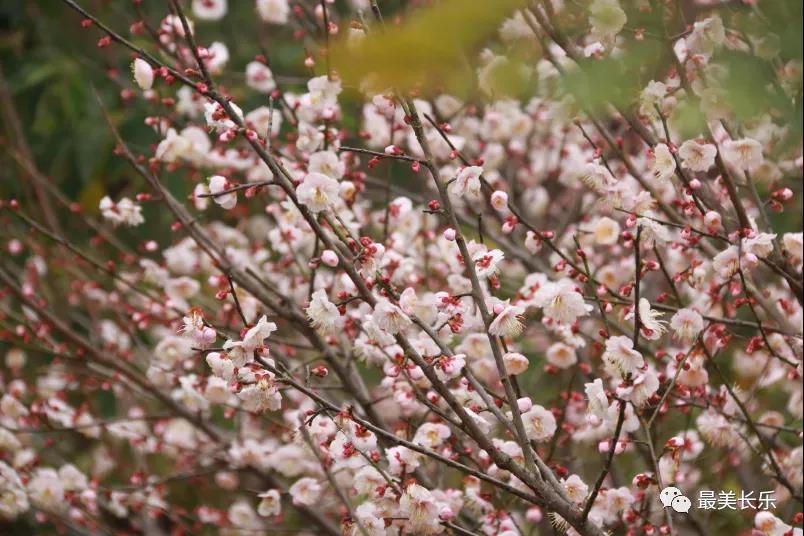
point(499, 200)
point(330, 258)
point(143, 74)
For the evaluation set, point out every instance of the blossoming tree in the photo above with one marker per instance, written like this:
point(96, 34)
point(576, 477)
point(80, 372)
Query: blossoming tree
point(522, 291)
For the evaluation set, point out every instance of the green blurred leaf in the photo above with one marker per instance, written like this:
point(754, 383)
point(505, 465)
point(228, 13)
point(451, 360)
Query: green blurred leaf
point(614, 80)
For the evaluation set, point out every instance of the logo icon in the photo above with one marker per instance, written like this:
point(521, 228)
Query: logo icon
point(673, 497)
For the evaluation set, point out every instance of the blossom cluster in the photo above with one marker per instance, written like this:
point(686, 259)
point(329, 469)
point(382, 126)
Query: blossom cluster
point(482, 314)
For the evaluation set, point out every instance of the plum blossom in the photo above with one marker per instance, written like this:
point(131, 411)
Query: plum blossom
point(561, 301)
point(561, 355)
point(466, 182)
point(260, 77)
point(487, 263)
point(317, 191)
point(540, 424)
point(644, 385)
point(745, 153)
point(653, 232)
point(664, 164)
point(13, 498)
point(270, 503)
point(760, 245)
point(327, 163)
point(420, 507)
point(218, 117)
point(123, 212)
point(173, 147)
point(515, 363)
point(697, 156)
point(620, 358)
point(306, 491)
point(390, 317)
point(273, 11)
point(256, 335)
point(686, 324)
point(606, 231)
point(46, 490)
point(770, 525)
point(650, 326)
point(449, 367)
point(323, 314)
point(218, 186)
point(209, 9)
point(431, 435)
point(794, 245)
point(507, 323)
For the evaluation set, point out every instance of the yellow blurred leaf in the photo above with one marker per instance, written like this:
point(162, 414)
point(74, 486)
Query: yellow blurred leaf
point(428, 52)
point(91, 194)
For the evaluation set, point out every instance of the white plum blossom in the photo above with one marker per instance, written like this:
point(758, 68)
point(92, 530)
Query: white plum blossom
point(273, 11)
point(260, 77)
point(686, 324)
point(697, 156)
point(597, 401)
point(576, 488)
point(218, 118)
point(421, 509)
point(123, 212)
point(744, 154)
point(306, 491)
point(561, 301)
point(173, 147)
point(606, 231)
point(620, 358)
point(467, 182)
point(218, 188)
point(794, 245)
point(768, 524)
point(540, 424)
point(515, 363)
point(327, 163)
point(46, 490)
point(653, 232)
point(664, 164)
point(508, 323)
point(390, 317)
point(256, 335)
point(651, 327)
point(432, 435)
point(760, 245)
point(449, 367)
point(270, 503)
point(209, 9)
point(323, 314)
point(644, 385)
point(13, 498)
point(317, 191)
point(561, 355)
